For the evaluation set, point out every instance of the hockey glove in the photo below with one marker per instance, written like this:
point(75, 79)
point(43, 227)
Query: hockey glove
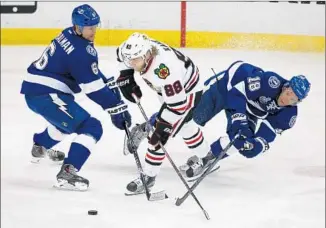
point(239, 122)
point(161, 134)
point(152, 120)
point(251, 147)
point(120, 115)
point(128, 85)
point(113, 86)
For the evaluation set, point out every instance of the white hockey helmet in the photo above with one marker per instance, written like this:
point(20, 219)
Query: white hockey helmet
point(137, 45)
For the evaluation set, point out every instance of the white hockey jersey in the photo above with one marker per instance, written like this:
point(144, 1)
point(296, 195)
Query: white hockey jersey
point(174, 77)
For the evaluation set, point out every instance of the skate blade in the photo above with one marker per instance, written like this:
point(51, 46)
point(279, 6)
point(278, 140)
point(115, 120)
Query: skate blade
point(44, 160)
point(134, 193)
point(36, 160)
point(196, 177)
point(154, 196)
point(64, 185)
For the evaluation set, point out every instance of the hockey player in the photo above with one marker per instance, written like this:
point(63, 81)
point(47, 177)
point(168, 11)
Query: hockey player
point(175, 79)
point(67, 66)
point(259, 104)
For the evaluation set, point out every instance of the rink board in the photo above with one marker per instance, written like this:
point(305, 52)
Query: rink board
point(280, 26)
point(219, 40)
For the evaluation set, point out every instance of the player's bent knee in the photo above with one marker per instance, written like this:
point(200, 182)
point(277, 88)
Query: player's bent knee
point(91, 127)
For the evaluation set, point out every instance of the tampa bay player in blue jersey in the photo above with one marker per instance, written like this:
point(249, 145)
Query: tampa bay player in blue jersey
point(259, 104)
point(68, 66)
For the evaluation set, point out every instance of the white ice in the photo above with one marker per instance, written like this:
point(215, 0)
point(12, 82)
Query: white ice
point(283, 188)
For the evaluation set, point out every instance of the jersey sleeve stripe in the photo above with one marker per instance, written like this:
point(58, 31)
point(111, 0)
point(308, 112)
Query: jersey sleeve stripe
point(177, 103)
point(193, 83)
point(49, 82)
point(186, 106)
point(193, 68)
point(177, 112)
point(92, 86)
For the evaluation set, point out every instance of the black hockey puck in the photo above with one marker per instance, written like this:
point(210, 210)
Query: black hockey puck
point(92, 212)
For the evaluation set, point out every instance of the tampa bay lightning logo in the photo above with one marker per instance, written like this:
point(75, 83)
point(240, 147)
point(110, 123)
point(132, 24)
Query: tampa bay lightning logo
point(91, 50)
point(272, 106)
point(274, 82)
point(264, 100)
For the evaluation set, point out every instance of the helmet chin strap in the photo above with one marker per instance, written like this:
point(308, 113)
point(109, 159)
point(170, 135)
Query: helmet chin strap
point(80, 29)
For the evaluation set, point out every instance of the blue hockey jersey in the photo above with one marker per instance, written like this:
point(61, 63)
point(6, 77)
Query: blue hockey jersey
point(69, 65)
point(245, 88)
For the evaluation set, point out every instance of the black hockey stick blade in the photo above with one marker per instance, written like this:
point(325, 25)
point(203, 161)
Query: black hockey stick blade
point(153, 196)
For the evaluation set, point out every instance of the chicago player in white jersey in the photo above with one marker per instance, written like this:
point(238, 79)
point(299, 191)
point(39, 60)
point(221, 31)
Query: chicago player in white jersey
point(175, 79)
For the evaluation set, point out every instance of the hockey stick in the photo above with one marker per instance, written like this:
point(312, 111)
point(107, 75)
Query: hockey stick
point(179, 201)
point(150, 196)
point(171, 161)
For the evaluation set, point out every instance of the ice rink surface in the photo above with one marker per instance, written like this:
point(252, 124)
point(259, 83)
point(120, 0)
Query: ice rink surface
point(283, 188)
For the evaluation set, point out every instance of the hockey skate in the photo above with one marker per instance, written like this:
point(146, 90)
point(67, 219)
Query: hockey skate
point(39, 152)
point(137, 134)
point(55, 155)
point(136, 186)
point(196, 166)
point(67, 179)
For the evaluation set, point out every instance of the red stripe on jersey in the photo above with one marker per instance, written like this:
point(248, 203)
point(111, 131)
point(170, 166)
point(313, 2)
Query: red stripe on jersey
point(193, 80)
point(194, 77)
point(186, 106)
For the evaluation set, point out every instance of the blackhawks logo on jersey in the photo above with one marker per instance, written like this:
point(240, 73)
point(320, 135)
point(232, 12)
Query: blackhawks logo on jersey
point(162, 71)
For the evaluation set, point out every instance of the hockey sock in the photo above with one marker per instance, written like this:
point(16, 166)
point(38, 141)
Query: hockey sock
point(217, 149)
point(77, 156)
point(44, 139)
point(80, 150)
point(153, 162)
point(197, 143)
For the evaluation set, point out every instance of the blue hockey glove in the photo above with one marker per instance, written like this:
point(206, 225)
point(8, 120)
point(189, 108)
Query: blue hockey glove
point(251, 147)
point(120, 115)
point(239, 123)
point(113, 86)
point(152, 120)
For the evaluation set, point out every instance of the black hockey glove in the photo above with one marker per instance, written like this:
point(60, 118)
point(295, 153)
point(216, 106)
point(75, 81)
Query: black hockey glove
point(128, 85)
point(161, 134)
